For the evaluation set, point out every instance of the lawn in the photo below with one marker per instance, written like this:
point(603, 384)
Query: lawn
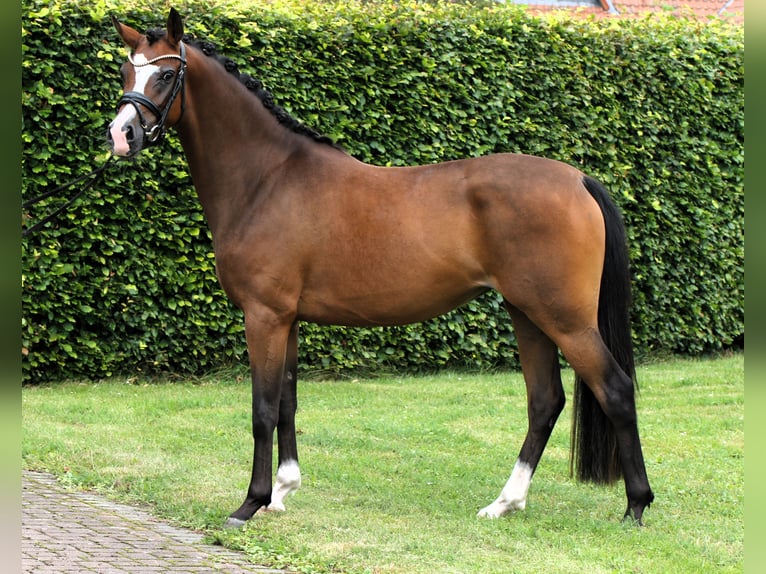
point(395, 469)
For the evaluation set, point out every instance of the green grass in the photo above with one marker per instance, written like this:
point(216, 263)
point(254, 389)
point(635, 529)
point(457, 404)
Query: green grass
point(395, 469)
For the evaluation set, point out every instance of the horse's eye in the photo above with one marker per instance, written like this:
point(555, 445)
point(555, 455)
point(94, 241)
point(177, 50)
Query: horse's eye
point(168, 75)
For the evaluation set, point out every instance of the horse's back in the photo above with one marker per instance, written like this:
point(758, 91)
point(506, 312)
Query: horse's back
point(396, 245)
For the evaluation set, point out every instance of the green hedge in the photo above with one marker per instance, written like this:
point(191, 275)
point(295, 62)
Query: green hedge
point(125, 281)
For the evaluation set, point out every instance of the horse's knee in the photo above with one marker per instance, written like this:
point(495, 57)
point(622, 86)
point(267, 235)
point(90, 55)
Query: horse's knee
point(265, 418)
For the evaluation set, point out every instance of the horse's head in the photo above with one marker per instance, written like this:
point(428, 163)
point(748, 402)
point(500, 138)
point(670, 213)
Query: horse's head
point(152, 79)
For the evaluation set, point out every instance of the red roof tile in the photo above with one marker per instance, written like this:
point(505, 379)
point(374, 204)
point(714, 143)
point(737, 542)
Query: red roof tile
point(732, 10)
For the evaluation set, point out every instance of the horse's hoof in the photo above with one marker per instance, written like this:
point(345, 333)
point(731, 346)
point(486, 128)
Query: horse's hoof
point(232, 522)
point(630, 518)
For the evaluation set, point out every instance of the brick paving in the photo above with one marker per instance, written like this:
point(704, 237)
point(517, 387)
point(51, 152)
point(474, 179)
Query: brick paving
point(66, 532)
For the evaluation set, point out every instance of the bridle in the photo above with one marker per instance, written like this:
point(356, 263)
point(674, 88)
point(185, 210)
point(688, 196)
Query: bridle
point(154, 133)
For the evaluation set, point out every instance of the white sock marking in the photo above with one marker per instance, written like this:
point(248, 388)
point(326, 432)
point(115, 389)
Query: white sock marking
point(288, 481)
point(514, 493)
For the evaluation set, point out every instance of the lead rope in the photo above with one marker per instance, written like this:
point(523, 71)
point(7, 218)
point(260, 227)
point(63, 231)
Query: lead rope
point(95, 174)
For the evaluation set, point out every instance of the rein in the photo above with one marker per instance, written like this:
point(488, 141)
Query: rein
point(52, 215)
point(154, 134)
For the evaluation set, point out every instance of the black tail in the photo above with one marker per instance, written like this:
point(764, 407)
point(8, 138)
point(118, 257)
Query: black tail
point(594, 454)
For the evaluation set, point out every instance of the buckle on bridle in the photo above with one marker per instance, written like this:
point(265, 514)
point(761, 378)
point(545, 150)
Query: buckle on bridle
point(155, 133)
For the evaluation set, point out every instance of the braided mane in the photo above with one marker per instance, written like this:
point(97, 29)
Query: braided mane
point(255, 86)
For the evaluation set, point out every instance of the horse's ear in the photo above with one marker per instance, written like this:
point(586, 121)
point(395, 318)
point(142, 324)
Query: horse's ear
point(175, 26)
point(130, 36)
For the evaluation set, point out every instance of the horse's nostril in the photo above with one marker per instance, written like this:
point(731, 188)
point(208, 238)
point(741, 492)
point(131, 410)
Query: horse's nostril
point(129, 134)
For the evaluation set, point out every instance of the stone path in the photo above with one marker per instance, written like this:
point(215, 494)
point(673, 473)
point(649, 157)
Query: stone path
point(66, 532)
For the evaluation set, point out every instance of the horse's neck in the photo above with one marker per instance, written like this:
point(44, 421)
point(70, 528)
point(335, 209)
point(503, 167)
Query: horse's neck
point(232, 142)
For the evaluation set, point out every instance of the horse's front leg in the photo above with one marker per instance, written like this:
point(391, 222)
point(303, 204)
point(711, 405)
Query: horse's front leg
point(288, 473)
point(267, 335)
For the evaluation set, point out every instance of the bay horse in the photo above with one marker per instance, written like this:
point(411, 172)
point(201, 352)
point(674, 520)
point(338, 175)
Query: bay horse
point(302, 231)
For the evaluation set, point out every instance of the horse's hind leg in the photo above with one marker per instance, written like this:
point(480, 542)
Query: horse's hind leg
point(288, 472)
point(614, 391)
point(545, 401)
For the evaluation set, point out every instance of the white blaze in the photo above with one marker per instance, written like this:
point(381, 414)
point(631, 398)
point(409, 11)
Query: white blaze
point(143, 72)
point(128, 113)
point(514, 493)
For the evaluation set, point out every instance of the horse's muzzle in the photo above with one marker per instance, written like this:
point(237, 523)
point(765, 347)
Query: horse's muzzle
point(125, 134)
